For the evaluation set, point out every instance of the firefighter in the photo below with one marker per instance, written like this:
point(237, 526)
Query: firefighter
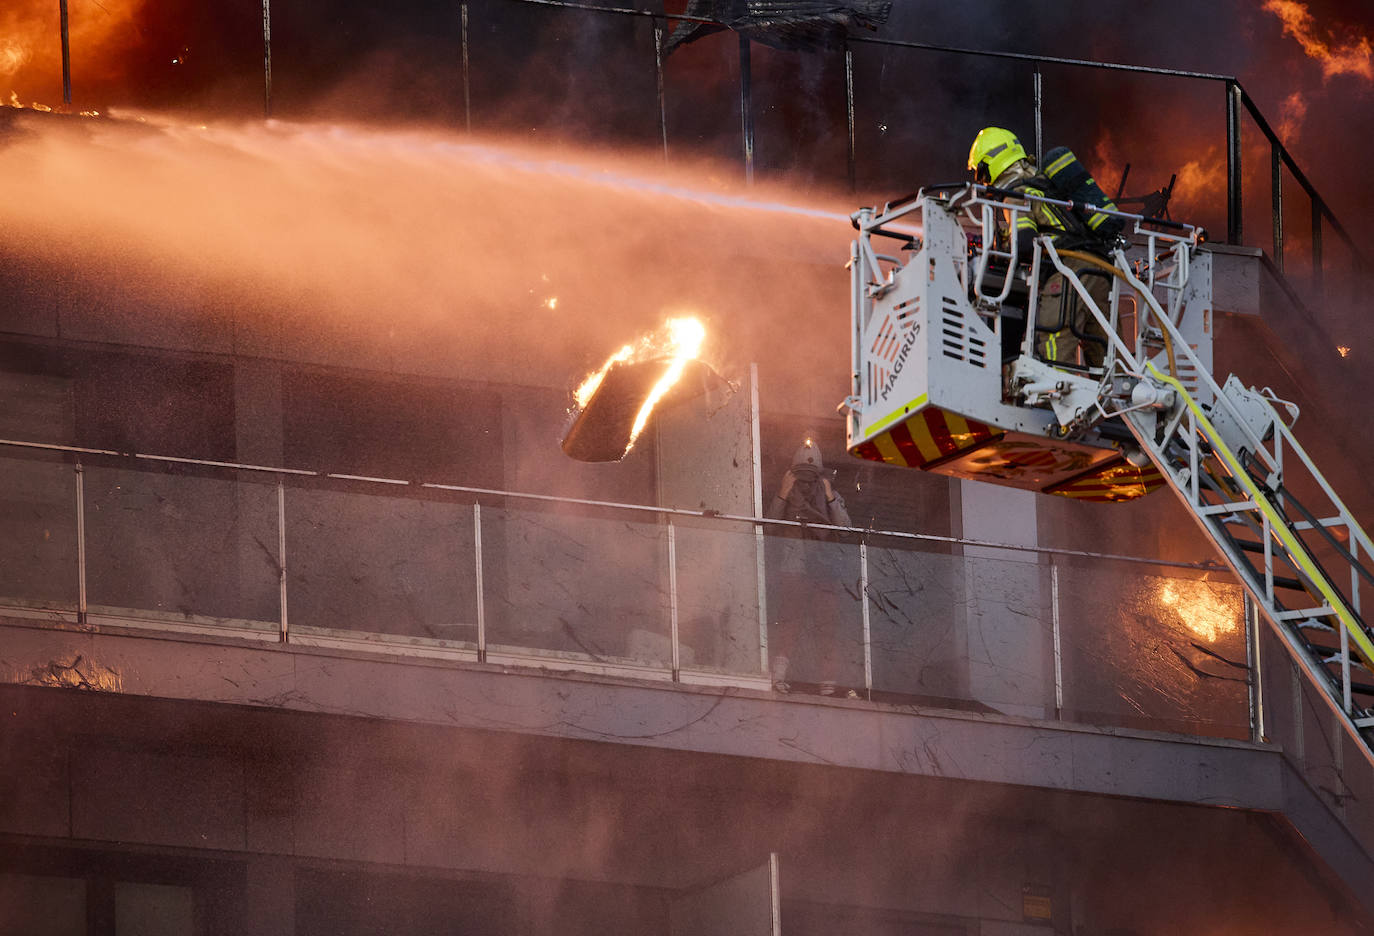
point(998, 159)
point(808, 572)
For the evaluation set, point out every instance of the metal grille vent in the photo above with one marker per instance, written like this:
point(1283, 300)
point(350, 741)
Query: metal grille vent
point(957, 341)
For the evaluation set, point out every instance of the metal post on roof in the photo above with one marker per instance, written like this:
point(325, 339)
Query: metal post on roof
point(849, 113)
point(1234, 227)
point(267, 58)
point(467, 81)
point(1276, 196)
point(662, 96)
point(66, 54)
point(1317, 270)
point(746, 115)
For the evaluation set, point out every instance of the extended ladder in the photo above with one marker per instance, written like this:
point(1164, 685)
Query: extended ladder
point(1257, 494)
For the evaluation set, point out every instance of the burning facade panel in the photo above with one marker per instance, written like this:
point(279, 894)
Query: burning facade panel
point(348, 641)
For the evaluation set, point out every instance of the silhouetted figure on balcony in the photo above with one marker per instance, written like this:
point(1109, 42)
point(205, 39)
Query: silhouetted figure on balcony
point(807, 569)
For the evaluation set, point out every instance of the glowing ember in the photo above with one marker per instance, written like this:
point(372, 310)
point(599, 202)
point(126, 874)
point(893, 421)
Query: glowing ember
point(1343, 350)
point(1352, 57)
point(551, 303)
point(1201, 611)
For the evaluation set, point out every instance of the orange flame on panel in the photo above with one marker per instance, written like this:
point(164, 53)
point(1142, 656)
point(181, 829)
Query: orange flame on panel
point(1354, 56)
point(1201, 611)
point(588, 387)
point(685, 336)
point(680, 340)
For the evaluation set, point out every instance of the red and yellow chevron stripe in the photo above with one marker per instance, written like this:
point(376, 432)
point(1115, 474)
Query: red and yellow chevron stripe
point(1117, 480)
point(934, 439)
point(927, 436)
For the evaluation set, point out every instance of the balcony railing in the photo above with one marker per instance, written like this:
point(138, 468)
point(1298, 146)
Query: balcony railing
point(441, 570)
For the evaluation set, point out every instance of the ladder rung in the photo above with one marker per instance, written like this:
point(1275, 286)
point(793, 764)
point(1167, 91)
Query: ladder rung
point(1323, 611)
point(1325, 521)
point(1283, 581)
point(1235, 508)
point(1366, 722)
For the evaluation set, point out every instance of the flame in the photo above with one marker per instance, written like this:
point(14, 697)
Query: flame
point(1343, 350)
point(680, 339)
point(1353, 57)
point(589, 386)
point(685, 336)
point(103, 35)
point(1202, 612)
point(1292, 113)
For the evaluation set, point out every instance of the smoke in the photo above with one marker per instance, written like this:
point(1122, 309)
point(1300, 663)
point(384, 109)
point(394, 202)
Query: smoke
point(483, 245)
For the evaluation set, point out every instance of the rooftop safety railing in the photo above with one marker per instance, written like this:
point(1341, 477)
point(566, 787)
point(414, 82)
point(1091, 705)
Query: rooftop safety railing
point(176, 545)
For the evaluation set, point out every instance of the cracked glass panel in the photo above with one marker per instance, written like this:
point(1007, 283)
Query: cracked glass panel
point(1161, 652)
point(815, 612)
point(568, 581)
point(918, 614)
point(163, 545)
point(1010, 633)
point(718, 596)
point(363, 562)
point(38, 532)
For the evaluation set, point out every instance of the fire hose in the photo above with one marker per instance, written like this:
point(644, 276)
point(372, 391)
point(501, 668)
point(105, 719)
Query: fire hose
point(1101, 264)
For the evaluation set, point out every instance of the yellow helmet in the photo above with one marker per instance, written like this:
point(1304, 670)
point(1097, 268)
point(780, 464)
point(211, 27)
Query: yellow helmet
point(993, 150)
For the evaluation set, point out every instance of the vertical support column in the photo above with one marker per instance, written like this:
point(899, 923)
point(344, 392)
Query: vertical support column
point(267, 58)
point(285, 632)
point(481, 590)
point(80, 543)
point(662, 95)
point(868, 631)
point(1056, 633)
point(849, 113)
point(746, 111)
point(1317, 271)
point(66, 55)
point(467, 80)
point(758, 513)
point(1276, 198)
point(672, 601)
point(1235, 232)
point(1039, 111)
point(1253, 664)
point(1345, 671)
point(1299, 746)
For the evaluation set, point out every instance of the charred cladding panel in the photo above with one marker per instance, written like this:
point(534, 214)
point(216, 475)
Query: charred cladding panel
point(126, 402)
point(391, 428)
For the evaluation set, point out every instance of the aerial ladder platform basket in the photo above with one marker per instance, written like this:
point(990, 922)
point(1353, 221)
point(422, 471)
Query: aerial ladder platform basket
point(946, 379)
